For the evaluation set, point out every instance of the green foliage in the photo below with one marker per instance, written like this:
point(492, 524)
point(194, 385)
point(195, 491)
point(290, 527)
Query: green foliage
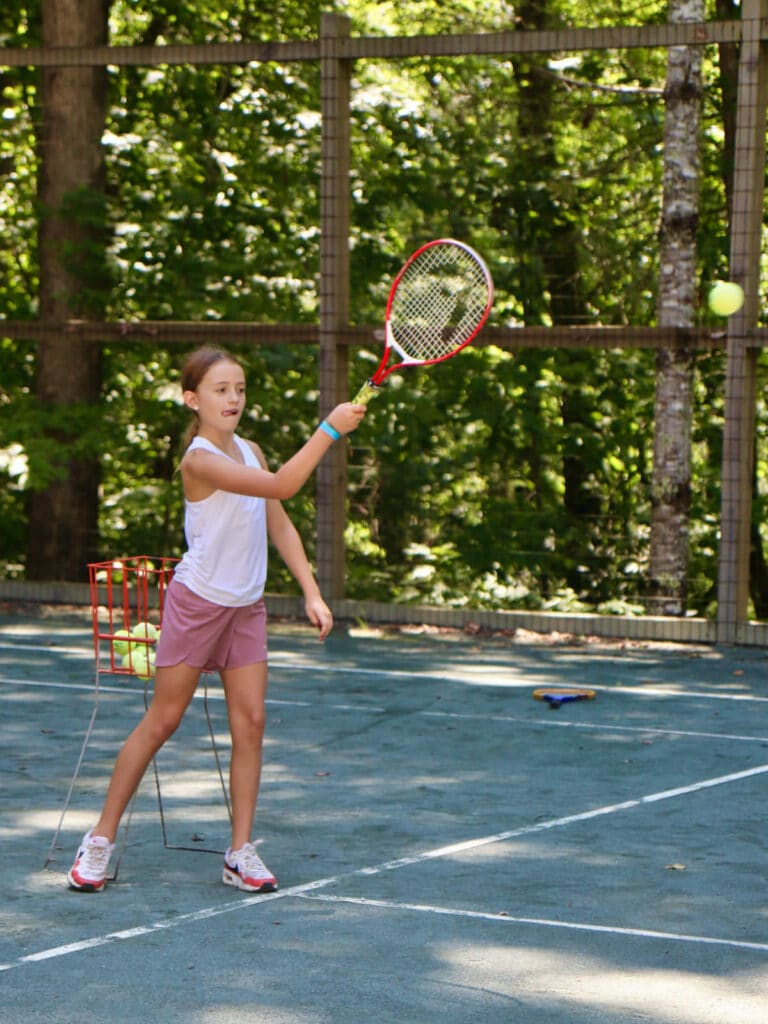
point(215, 193)
point(499, 479)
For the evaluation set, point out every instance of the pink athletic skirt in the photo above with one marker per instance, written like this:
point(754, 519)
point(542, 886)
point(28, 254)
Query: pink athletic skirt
point(210, 636)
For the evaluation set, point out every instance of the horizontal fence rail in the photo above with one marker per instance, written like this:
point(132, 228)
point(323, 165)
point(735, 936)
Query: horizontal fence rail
point(384, 47)
point(195, 331)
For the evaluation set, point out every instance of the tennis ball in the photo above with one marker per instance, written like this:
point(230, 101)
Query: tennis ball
point(725, 297)
point(141, 663)
point(145, 631)
point(121, 642)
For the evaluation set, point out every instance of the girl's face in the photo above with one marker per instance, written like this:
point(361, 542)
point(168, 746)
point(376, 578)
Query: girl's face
point(219, 399)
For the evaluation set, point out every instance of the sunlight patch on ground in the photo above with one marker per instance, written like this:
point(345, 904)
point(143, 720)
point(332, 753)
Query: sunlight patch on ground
point(583, 982)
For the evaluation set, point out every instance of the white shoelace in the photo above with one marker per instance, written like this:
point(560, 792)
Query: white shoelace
point(250, 862)
point(95, 859)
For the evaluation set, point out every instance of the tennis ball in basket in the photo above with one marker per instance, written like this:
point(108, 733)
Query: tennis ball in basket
point(121, 642)
point(141, 663)
point(725, 297)
point(145, 631)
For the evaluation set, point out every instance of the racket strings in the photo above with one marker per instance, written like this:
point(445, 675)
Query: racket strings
point(440, 300)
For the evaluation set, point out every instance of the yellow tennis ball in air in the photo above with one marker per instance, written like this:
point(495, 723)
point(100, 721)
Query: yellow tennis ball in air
point(725, 297)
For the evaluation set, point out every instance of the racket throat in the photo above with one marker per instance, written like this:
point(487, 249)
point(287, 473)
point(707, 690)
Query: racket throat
point(368, 391)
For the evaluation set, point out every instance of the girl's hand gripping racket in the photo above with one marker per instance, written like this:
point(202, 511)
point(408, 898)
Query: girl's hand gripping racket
point(437, 304)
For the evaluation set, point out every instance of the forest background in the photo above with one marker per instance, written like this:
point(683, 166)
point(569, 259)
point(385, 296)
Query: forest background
point(501, 480)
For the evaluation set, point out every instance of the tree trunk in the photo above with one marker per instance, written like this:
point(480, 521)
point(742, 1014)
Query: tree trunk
point(63, 513)
point(671, 485)
point(555, 240)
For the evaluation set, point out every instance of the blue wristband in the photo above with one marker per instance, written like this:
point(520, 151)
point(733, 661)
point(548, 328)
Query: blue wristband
point(329, 430)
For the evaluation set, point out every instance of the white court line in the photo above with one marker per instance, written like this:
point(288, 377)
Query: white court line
point(570, 819)
point(52, 648)
point(380, 710)
point(391, 865)
point(514, 684)
point(199, 695)
point(642, 933)
point(275, 661)
point(651, 730)
point(48, 683)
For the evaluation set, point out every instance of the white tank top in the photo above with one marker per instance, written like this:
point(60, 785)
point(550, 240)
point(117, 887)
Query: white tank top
point(226, 560)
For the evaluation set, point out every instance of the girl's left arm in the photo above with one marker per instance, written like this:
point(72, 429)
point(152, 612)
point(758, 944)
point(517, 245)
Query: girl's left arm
point(286, 539)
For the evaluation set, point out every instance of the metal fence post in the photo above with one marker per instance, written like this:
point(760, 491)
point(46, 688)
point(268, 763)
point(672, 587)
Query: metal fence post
point(334, 292)
point(746, 228)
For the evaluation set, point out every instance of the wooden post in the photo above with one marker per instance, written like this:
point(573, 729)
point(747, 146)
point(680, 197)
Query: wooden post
point(746, 227)
point(335, 73)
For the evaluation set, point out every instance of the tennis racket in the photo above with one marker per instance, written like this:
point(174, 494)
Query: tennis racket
point(437, 304)
point(559, 695)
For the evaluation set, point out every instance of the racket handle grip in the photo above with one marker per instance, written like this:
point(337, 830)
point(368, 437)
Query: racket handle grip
point(368, 391)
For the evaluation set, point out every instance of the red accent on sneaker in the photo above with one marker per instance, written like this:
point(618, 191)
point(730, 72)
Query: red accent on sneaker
point(89, 872)
point(244, 869)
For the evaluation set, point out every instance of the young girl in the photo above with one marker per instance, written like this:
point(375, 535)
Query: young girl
point(214, 615)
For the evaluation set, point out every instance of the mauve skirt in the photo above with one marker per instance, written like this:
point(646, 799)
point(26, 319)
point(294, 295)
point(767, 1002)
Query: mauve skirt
point(210, 636)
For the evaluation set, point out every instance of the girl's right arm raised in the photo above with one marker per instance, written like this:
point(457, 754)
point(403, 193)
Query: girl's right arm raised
point(205, 469)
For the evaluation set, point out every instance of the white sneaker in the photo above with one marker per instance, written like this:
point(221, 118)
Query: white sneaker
point(245, 869)
point(89, 872)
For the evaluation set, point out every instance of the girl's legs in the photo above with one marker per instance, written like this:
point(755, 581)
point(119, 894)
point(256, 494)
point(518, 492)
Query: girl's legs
point(246, 691)
point(173, 690)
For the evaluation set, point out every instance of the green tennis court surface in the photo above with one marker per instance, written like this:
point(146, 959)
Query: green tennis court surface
point(448, 849)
